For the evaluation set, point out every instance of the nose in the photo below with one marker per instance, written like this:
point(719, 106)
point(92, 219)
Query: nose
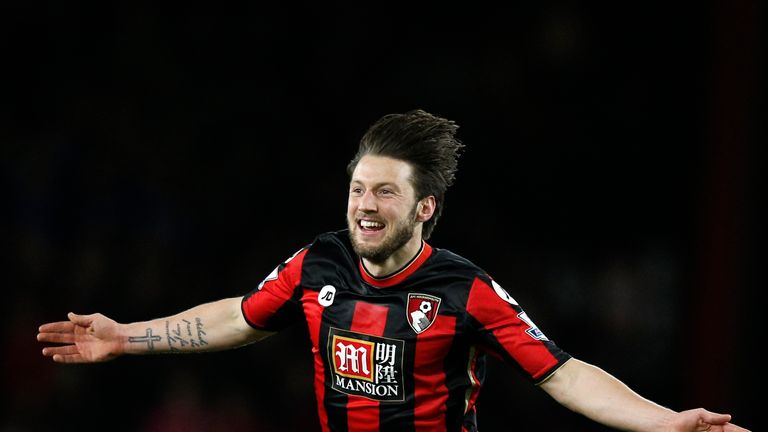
point(367, 202)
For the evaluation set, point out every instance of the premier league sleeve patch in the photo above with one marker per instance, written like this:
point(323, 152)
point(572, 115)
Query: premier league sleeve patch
point(365, 365)
point(421, 311)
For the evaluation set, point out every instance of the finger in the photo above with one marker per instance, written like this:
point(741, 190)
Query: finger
point(57, 327)
point(71, 358)
point(730, 427)
point(81, 320)
point(56, 337)
point(715, 418)
point(60, 350)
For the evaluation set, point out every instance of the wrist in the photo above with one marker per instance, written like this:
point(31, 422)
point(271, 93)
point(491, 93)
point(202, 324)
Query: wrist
point(666, 422)
point(136, 339)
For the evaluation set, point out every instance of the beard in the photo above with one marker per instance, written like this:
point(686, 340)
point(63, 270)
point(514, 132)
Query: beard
point(402, 231)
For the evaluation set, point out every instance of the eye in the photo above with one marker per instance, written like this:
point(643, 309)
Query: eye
point(385, 192)
point(356, 190)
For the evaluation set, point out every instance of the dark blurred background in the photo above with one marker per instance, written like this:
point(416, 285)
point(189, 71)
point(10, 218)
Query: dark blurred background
point(155, 157)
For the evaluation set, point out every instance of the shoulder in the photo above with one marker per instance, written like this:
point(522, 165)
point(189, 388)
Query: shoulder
point(331, 247)
point(329, 259)
point(443, 261)
point(331, 241)
point(339, 236)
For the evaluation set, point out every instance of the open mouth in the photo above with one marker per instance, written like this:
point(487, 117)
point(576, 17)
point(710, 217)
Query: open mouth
point(368, 225)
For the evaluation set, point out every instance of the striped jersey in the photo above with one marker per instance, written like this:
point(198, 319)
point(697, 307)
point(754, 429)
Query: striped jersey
point(404, 352)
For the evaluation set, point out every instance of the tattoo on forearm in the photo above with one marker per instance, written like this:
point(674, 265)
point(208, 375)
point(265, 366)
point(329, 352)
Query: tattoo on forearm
point(175, 335)
point(179, 340)
point(196, 339)
point(148, 339)
point(168, 337)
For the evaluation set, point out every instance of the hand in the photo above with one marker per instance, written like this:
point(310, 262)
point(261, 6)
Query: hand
point(701, 420)
point(86, 338)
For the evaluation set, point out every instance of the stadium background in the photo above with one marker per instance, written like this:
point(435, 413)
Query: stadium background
point(155, 157)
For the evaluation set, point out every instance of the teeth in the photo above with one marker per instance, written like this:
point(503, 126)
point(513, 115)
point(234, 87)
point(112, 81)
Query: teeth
point(371, 224)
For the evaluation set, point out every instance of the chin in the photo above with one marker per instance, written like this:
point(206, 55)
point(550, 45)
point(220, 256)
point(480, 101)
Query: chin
point(363, 247)
point(367, 246)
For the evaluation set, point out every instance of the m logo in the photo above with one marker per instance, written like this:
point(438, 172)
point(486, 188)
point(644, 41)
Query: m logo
point(366, 365)
point(326, 295)
point(353, 358)
point(421, 311)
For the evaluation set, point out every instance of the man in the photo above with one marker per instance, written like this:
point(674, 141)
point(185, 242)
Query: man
point(399, 329)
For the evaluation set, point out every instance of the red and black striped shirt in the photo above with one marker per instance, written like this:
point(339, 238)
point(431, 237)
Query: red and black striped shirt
point(404, 352)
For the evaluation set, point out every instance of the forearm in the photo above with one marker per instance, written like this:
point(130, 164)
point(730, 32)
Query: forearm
point(208, 327)
point(592, 392)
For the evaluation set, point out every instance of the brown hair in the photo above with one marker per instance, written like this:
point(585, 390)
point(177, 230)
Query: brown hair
point(425, 141)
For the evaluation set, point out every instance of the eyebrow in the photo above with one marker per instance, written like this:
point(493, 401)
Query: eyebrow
point(377, 185)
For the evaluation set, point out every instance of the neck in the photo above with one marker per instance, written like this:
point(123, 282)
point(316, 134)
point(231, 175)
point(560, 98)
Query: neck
point(396, 261)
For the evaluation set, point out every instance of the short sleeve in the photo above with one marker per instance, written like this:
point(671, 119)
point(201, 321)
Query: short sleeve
point(500, 324)
point(274, 304)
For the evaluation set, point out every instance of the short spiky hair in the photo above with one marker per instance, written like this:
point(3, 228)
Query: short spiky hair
point(425, 141)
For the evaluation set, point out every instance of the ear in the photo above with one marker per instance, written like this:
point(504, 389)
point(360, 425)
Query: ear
point(425, 208)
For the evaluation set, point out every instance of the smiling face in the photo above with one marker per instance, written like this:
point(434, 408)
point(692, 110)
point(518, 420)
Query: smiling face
point(383, 215)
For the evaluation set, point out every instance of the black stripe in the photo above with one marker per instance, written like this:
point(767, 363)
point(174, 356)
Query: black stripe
point(397, 417)
point(335, 402)
point(318, 270)
point(457, 358)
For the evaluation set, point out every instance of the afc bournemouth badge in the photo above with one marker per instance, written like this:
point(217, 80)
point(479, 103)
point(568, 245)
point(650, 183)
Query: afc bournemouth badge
point(422, 310)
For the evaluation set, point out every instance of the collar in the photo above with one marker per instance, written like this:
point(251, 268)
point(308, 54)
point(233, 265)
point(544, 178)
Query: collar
point(400, 275)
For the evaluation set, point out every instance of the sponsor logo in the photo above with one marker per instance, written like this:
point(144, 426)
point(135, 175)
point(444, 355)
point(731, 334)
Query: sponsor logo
point(532, 330)
point(501, 292)
point(365, 365)
point(273, 274)
point(326, 295)
point(270, 277)
point(421, 311)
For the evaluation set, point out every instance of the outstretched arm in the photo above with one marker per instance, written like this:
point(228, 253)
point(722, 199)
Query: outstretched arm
point(592, 392)
point(94, 338)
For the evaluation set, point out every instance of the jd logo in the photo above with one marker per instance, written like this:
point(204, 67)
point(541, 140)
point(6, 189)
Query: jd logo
point(326, 295)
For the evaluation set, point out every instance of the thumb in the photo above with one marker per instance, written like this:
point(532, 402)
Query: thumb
point(81, 320)
point(715, 418)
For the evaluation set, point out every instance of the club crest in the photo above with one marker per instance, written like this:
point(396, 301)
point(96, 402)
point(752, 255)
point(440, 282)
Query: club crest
point(421, 311)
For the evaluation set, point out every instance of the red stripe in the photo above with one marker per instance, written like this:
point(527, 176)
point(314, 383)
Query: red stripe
point(431, 392)
point(500, 318)
point(259, 306)
point(314, 313)
point(363, 413)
